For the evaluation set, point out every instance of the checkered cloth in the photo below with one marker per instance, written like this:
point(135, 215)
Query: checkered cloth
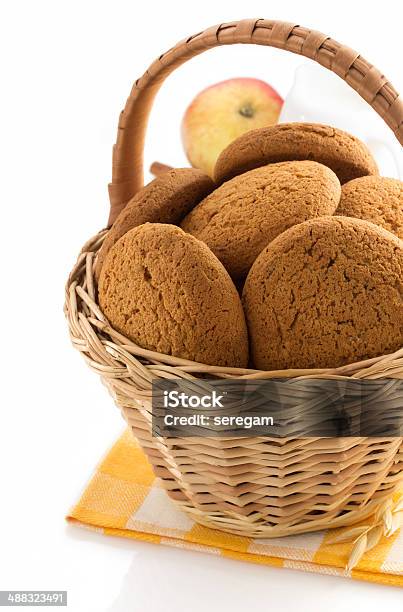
point(124, 498)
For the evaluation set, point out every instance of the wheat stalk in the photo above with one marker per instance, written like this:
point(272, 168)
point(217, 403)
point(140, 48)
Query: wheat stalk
point(386, 521)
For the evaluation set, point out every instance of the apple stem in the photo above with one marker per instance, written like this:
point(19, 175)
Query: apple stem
point(246, 111)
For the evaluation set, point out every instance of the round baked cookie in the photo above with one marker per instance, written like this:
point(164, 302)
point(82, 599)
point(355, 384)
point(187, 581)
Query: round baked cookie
point(347, 156)
point(167, 292)
point(374, 198)
point(242, 216)
point(167, 199)
point(325, 293)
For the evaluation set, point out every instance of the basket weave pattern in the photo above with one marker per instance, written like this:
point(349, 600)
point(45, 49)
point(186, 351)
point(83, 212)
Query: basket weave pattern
point(249, 486)
point(258, 487)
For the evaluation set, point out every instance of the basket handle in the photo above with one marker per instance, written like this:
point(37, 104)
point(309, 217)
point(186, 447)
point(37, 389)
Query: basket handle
point(127, 167)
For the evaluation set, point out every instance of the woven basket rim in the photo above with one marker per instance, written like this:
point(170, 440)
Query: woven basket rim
point(384, 366)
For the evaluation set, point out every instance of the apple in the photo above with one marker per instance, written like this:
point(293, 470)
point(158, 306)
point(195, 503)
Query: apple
point(221, 113)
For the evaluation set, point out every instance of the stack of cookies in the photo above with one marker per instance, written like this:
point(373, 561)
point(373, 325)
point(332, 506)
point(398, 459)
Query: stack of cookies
point(292, 258)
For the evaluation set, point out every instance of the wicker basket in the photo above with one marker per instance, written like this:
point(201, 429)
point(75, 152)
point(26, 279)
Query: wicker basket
point(257, 487)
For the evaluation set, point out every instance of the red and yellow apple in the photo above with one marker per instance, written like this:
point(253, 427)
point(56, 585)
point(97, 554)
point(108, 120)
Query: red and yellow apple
point(221, 113)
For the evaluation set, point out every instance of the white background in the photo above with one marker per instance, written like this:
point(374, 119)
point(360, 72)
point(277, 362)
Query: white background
point(67, 68)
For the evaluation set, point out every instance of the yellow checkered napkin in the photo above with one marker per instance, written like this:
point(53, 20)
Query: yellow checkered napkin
point(124, 498)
